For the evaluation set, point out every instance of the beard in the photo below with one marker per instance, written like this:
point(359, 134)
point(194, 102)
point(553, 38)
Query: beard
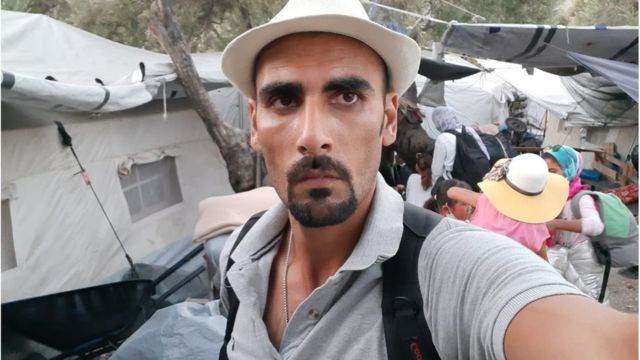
point(320, 210)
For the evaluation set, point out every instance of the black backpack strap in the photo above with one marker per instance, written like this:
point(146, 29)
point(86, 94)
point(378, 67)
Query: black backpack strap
point(234, 303)
point(405, 327)
point(607, 268)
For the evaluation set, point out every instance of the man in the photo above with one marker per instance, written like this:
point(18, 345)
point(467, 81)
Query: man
point(323, 83)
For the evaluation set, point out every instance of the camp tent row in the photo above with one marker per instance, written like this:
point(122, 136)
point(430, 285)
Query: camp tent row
point(585, 107)
point(147, 152)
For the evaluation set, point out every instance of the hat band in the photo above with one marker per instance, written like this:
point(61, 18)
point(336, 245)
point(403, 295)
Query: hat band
point(523, 192)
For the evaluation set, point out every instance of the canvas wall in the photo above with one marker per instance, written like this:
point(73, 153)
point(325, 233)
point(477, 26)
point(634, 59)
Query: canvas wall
point(62, 241)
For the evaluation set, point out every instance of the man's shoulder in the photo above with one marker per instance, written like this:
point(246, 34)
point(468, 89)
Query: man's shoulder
point(456, 234)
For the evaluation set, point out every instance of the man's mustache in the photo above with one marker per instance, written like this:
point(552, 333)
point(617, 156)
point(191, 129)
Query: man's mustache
point(323, 163)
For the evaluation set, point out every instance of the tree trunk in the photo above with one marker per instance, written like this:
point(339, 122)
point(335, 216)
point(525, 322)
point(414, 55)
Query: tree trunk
point(233, 143)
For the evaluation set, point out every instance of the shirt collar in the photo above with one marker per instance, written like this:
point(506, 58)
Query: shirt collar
point(379, 241)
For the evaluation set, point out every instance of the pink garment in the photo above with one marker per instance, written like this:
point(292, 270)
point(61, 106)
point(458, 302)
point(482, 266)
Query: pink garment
point(486, 216)
point(575, 186)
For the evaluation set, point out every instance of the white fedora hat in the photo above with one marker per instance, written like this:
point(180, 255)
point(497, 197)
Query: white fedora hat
point(344, 17)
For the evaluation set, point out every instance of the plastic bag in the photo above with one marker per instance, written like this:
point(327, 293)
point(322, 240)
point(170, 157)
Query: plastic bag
point(182, 331)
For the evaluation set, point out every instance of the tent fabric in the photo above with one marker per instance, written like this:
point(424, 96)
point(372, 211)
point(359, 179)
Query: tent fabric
point(542, 46)
point(624, 75)
point(604, 103)
point(483, 97)
point(35, 47)
point(432, 94)
point(62, 240)
point(555, 94)
point(145, 157)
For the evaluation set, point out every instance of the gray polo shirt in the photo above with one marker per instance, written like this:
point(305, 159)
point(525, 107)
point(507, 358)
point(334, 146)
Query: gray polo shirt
point(473, 283)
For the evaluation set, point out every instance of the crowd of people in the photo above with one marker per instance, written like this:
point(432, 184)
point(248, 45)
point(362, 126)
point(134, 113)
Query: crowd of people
point(526, 198)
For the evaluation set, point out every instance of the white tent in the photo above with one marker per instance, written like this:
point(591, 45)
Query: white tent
point(483, 99)
point(35, 47)
point(580, 100)
point(54, 236)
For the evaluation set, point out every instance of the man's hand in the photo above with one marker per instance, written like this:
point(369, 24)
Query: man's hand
point(571, 327)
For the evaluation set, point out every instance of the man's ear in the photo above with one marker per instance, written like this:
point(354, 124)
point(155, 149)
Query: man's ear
point(390, 124)
point(255, 145)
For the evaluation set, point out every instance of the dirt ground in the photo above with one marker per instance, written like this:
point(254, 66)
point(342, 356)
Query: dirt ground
point(623, 292)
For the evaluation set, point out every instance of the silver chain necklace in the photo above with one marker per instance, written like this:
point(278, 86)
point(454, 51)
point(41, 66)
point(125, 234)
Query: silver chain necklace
point(284, 279)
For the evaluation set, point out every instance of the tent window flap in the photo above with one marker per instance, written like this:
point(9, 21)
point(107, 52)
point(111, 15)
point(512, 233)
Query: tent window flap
point(151, 187)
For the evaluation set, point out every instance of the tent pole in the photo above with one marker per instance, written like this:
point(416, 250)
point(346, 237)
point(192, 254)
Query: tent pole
point(66, 141)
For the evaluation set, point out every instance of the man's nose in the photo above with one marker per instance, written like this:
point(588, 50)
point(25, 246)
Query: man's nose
point(314, 138)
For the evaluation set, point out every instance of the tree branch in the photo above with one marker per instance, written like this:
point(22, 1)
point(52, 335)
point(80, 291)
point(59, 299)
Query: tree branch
point(232, 142)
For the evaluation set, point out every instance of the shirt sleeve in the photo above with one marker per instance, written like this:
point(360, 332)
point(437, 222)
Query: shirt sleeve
point(412, 190)
point(473, 284)
point(591, 223)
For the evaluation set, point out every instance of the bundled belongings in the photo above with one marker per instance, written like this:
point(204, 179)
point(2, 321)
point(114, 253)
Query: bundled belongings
point(627, 194)
point(498, 148)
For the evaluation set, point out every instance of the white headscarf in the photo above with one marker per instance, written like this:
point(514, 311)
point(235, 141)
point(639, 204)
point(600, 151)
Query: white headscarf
point(446, 118)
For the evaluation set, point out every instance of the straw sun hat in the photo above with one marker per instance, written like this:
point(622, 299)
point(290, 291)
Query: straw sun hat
point(523, 189)
point(345, 17)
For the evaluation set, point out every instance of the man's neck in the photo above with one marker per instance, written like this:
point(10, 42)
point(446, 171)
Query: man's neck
point(316, 254)
point(319, 252)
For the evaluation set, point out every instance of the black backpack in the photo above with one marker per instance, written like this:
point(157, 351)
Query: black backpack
point(406, 331)
point(470, 164)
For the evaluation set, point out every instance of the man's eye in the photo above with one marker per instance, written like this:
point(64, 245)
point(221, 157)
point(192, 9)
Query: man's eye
point(348, 98)
point(283, 102)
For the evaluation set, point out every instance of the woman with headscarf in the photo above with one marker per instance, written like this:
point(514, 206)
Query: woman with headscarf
point(572, 251)
point(444, 153)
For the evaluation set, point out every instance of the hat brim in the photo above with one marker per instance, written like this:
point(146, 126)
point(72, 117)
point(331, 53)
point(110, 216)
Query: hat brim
point(528, 209)
point(400, 53)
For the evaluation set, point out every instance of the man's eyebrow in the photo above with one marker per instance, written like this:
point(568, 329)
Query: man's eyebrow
point(347, 84)
point(280, 88)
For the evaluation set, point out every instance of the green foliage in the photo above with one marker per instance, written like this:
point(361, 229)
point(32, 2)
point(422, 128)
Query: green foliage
point(493, 11)
point(210, 24)
point(206, 24)
point(56, 9)
point(602, 12)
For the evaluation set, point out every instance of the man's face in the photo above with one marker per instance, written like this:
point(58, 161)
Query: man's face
point(320, 117)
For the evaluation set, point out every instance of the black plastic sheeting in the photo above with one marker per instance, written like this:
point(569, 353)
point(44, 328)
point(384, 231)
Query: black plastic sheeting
point(442, 71)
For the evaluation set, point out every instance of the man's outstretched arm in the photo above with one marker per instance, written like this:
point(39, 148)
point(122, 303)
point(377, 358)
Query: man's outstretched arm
point(571, 327)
